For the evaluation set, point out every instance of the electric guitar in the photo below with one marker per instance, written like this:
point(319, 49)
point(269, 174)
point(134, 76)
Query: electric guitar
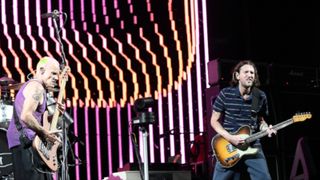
point(46, 150)
point(229, 155)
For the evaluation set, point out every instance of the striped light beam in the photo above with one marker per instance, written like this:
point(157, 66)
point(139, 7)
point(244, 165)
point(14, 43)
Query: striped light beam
point(73, 24)
point(71, 74)
point(119, 136)
point(115, 64)
point(161, 128)
point(181, 125)
point(198, 68)
point(79, 67)
point(93, 11)
point(4, 64)
point(165, 53)
point(176, 38)
point(205, 39)
point(28, 28)
point(98, 141)
point(171, 125)
point(189, 18)
point(98, 52)
point(190, 107)
point(131, 150)
point(16, 57)
point(76, 146)
point(83, 20)
point(104, 7)
point(87, 133)
point(3, 12)
point(92, 65)
point(154, 60)
point(151, 141)
point(40, 31)
point(33, 42)
point(143, 64)
point(109, 142)
point(112, 98)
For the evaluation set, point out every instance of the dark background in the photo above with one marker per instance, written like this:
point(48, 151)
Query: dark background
point(282, 38)
point(268, 31)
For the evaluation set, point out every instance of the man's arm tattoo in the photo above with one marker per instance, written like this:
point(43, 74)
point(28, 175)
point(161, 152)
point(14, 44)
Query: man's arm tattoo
point(37, 96)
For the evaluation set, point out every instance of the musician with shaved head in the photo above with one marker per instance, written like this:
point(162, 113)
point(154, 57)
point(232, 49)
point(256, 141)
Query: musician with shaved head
point(27, 121)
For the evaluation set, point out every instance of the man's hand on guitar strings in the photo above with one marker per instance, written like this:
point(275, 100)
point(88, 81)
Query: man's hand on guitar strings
point(61, 107)
point(271, 131)
point(51, 136)
point(236, 139)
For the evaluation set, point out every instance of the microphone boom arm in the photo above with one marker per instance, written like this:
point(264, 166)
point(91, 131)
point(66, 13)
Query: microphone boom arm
point(64, 164)
point(63, 56)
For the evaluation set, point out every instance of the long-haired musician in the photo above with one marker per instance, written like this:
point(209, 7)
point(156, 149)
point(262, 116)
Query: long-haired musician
point(236, 103)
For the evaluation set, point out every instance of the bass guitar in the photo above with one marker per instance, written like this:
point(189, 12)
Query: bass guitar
point(229, 155)
point(46, 150)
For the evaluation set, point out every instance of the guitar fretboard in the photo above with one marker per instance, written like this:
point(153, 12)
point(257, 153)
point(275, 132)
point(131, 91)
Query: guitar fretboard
point(263, 133)
point(56, 114)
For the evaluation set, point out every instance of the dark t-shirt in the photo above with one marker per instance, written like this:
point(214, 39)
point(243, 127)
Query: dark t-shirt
point(237, 111)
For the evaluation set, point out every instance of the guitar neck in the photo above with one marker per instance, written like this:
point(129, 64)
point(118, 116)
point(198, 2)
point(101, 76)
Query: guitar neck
point(263, 133)
point(56, 114)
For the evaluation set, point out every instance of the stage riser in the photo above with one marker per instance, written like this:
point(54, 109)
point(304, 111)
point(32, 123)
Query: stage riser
point(153, 175)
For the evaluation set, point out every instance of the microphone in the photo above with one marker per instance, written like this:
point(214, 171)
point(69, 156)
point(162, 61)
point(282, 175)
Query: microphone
point(54, 14)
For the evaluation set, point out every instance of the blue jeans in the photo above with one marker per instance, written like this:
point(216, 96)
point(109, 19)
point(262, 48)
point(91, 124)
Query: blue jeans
point(255, 165)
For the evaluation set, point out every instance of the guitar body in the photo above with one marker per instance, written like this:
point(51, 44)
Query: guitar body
point(226, 153)
point(47, 151)
point(229, 155)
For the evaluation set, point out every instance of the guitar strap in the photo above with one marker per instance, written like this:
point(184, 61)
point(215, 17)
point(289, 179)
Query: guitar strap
point(255, 105)
point(24, 140)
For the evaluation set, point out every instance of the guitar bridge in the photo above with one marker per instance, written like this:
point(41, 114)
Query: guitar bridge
point(232, 158)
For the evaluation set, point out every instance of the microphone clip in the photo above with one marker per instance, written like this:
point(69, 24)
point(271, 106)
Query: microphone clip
point(54, 14)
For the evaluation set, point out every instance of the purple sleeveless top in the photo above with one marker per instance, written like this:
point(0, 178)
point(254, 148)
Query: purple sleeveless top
point(13, 134)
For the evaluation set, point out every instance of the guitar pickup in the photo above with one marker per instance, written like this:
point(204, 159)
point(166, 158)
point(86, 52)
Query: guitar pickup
point(44, 151)
point(230, 148)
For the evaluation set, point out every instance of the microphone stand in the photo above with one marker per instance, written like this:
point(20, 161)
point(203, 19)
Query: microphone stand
point(145, 152)
point(136, 150)
point(143, 120)
point(144, 171)
point(63, 55)
point(64, 164)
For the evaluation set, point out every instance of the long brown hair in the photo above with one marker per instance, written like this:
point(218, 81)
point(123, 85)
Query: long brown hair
point(236, 69)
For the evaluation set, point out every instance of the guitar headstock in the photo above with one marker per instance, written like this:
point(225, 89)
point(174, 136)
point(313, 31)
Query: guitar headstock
point(301, 116)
